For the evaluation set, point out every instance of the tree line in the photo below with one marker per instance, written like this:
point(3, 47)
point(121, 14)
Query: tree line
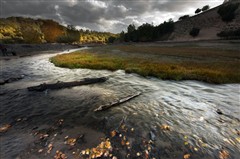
point(147, 32)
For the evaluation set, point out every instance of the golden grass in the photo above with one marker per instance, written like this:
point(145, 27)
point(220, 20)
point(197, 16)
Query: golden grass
point(173, 63)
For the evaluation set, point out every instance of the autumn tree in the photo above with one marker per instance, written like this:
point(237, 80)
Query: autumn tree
point(51, 30)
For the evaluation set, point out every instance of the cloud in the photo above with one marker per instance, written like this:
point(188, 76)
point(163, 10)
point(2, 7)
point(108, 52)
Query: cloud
point(103, 15)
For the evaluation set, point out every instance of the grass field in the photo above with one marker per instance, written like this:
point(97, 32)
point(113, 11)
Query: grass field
point(212, 65)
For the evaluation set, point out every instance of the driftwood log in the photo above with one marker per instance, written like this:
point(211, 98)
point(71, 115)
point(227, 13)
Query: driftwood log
point(115, 103)
point(60, 85)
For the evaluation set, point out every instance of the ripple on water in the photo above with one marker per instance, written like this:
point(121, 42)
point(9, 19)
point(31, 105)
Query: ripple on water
point(189, 107)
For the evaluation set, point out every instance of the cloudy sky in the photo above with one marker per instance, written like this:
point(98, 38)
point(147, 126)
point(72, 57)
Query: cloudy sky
point(103, 15)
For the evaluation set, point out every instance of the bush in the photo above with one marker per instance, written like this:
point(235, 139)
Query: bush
point(198, 11)
point(194, 32)
point(233, 34)
point(227, 12)
point(206, 7)
point(183, 17)
point(66, 39)
point(111, 39)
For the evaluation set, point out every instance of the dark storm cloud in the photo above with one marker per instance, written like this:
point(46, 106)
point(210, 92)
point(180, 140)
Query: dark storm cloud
point(103, 15)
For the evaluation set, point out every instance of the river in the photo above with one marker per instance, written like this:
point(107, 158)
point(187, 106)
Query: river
point(188, 108)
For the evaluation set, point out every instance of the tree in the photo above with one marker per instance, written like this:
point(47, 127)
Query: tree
point(122, 36)
point(183, 17)
point(206, 7)
point(148, 32)
point(131, 28)
point(111, 39)
point(163, 29)
point(194, 32)
point(198, 11)
point(51, 30)
point(71, 27)
point(227, 12)
point(131, 33)
point(145, 32)
point(232, 34)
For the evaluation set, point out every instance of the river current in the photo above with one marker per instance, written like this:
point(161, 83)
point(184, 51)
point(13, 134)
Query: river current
point(189, 108)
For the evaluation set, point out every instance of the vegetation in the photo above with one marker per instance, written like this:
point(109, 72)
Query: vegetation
point(198, 11)
point(71, 35)
point(147, 32)
point(206, 7)
point(194, 32)
point(111, 39)
point(232, 34)
point(184, 17)
point(174, 63)
point(227, 12)
point(51, 30)
point(27, 30)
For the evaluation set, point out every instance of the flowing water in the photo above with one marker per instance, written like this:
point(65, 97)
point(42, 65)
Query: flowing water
point(189, 108)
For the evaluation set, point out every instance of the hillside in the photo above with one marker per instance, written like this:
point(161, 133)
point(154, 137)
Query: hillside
point(28, 30)
point(209, 22)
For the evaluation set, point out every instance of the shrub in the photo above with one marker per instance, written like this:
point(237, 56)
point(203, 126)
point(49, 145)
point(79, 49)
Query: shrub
point(194, 32)
point(227, 12)
point(198, 11)
point(183, 17)
point(206, 7)
point(66, 39)
point(233, 34)
point(111, 39)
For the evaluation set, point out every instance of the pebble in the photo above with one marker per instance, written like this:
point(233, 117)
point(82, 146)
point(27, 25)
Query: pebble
point(40, 150)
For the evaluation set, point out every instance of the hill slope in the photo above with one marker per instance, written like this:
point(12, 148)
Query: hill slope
point(209, 22)
point(28, 30)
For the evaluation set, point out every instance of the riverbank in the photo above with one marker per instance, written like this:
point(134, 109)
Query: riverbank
point(24, 50)
point(209, 63)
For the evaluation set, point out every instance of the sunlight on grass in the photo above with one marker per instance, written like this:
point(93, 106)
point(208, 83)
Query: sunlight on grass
point(171, 63)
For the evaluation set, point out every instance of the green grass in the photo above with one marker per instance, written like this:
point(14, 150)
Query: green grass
point(170, 63)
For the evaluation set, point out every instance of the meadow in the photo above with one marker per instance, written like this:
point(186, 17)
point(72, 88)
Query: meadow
point(208, 64)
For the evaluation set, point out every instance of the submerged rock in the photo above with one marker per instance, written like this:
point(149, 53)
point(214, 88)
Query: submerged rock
point(219, 112)
point(152, 136)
